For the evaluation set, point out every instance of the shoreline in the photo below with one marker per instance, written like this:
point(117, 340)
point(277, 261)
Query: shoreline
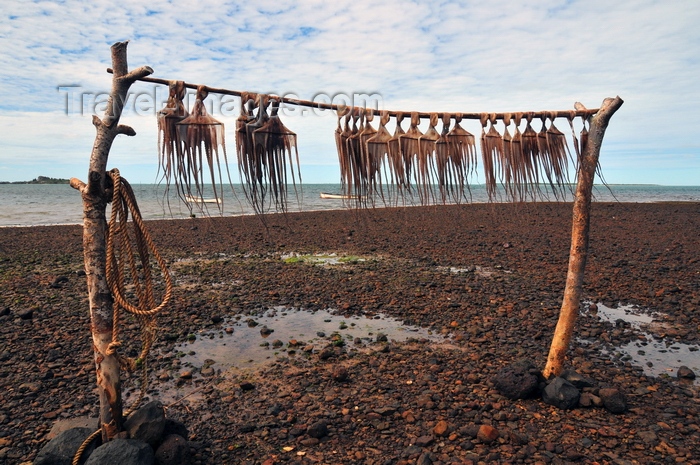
point(645, 254)
point(353, 209)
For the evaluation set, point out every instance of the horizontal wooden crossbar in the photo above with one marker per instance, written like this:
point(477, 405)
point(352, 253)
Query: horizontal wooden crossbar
point(580, 111)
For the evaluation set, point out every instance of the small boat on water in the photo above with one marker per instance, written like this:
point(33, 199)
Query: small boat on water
point(193, 199)
point(326, 195)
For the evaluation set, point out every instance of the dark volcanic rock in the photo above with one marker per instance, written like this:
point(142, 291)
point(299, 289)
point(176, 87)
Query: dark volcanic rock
point(175, 427)
point(26, 314)
point(424, 441)
point(516, 381)
point(576, 379)
point(56, 283)
point(685, 372)
point(265, 331)
point(173, 451)
point(123, 452)
point(340, 373)
point(613, 400)
point(426, 458)
point(326, 353)
point(61, 449)
point(561, 393)
point(507, 309)
point(147, 423)
point(318, 429)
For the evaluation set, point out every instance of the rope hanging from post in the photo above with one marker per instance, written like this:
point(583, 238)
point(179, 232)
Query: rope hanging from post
point(122, 266)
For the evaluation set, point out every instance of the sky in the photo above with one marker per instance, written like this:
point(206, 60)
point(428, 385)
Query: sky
point(454, 56)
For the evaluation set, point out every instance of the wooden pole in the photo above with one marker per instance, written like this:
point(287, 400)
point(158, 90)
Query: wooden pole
point(583, 112)
point(579, 236)
point(95, 194)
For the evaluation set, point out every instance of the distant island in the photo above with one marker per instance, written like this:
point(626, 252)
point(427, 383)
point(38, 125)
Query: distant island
point(40, 180)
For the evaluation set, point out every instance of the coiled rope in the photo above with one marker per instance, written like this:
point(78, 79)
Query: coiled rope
point(121, 266)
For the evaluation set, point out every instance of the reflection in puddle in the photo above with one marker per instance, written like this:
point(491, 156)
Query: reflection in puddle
point(283, 332)
point(247, 342)
point(626, 313)
point(656, 355)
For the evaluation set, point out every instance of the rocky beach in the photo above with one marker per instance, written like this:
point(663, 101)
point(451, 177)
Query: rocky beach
point(485, 279)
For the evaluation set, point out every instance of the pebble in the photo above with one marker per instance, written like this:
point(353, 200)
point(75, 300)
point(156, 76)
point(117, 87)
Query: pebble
point(685, 373)
point(26, 314)
point(441, 428)
point(340, 373)
point(613, 400)
point(502, 318)
point(424, 441)
point(265, 331)
point(318, 430)
point(487, 434)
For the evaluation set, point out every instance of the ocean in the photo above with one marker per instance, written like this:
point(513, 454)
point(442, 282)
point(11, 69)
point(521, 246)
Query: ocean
point(52, 204)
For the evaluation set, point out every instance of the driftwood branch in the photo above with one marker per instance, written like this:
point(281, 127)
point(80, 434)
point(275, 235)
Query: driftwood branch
point(579, 237)
point(332, 106)
point(95, 197)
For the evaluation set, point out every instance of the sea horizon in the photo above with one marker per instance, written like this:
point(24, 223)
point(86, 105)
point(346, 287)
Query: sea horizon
point(59, 204)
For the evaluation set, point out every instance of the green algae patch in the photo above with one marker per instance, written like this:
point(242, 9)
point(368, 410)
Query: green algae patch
point(322, 259)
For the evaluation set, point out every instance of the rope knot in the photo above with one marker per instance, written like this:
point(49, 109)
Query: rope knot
point(112, 347)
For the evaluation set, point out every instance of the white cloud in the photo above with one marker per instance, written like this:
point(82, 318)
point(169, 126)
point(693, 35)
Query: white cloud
point(437, 56)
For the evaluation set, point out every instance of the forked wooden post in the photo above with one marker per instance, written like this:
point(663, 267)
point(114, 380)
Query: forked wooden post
point(95, 194)
point(579, 237)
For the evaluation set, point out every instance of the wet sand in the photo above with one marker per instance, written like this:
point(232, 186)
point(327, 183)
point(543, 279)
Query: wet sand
point(491, 276)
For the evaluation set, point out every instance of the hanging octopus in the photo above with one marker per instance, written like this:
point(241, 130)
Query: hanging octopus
point(202, 135)
point(396, 157)
point(278, 148)
point(354, 156)
point(491, 151)
point(507, 168)
point(342, 134)
point(377, 149)
point(518, 164)
point(172, 158)
point(530, 150)
point(370, 163)
point(462, 151)
point(410, 147)
point(426, 159)
point(443, 168)
point(559, 155)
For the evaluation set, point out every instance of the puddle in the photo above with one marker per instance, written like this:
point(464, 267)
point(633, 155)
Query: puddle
point(258, 339)
point(659, 357)
point(656, 355)
point(245, 343)
point(627, 313)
